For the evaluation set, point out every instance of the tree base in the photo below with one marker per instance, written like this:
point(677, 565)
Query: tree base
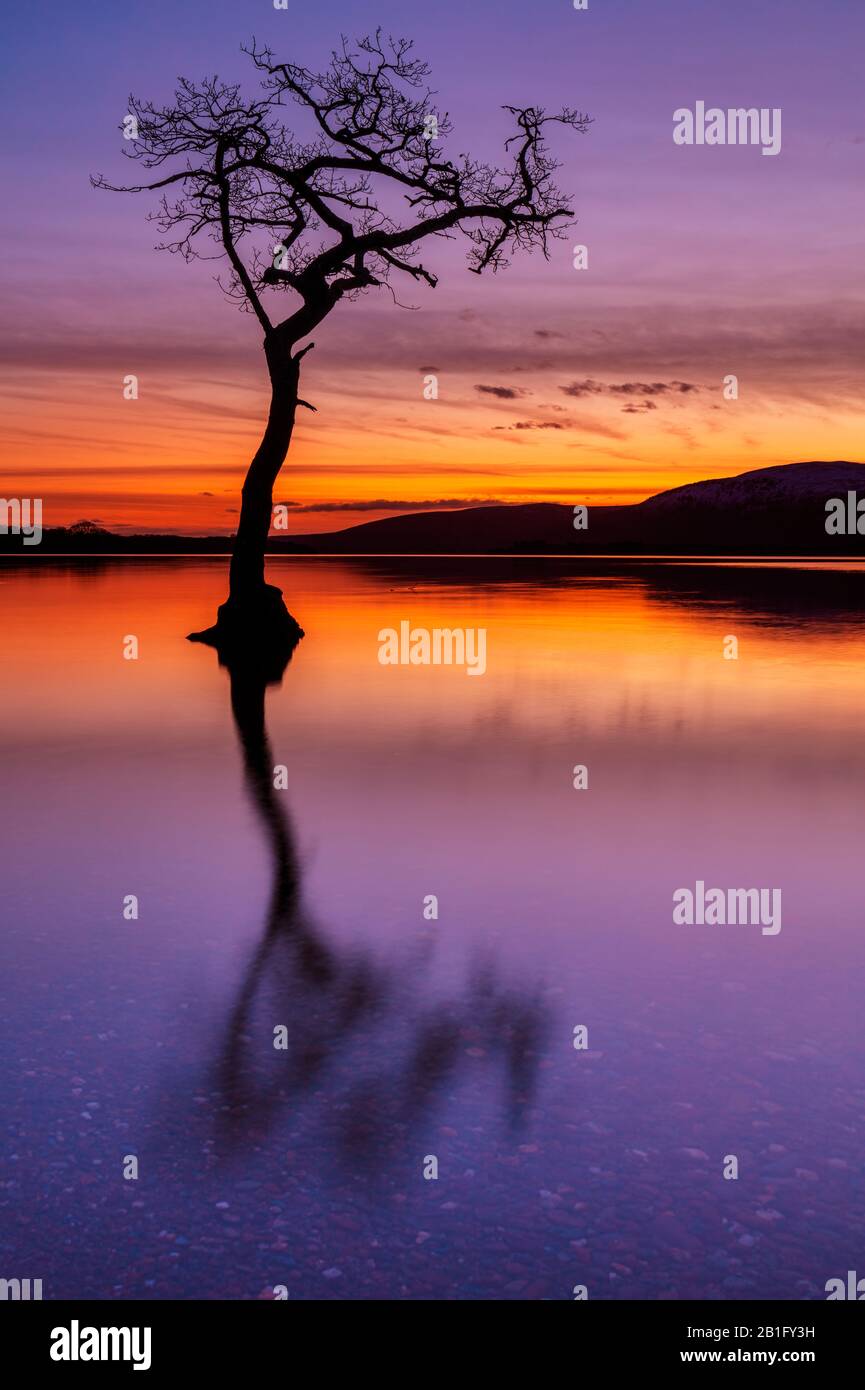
point(255, 630)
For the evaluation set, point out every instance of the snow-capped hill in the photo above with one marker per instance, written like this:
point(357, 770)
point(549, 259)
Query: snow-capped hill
point(762, 488)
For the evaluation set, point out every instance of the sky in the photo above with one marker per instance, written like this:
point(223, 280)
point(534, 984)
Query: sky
point(554, 384)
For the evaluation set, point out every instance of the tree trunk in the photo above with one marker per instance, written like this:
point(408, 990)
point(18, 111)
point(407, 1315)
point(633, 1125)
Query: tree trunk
point(246, 581)
point(254, 620)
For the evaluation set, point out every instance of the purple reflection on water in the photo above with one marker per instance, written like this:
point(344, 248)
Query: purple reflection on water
point(302, 909)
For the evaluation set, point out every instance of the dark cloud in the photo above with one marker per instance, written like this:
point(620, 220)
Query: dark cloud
point(583, 388)
point(546, 333)
point(532, 425)
point(629, 388)
point(388, 504)
point(580, 425)
point(638, 409)
point(653, 388)
point(503, 393)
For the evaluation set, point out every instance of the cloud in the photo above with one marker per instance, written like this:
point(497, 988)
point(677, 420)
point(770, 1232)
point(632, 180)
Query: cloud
point(638, 409)
point(385, 504)
point(654, 388)
point(532, 425)
point(582, 424)
point(583, 388)
point(503, 393)
point(629, 388)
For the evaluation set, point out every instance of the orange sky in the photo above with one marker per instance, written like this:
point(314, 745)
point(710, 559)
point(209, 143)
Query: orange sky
point(539, 399)
point(174, 459)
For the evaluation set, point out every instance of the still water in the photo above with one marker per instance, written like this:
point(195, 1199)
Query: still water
point(299, 907)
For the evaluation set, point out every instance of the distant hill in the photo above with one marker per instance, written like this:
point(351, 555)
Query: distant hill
point(768, 511)
point(84, 538)
point(521, 527)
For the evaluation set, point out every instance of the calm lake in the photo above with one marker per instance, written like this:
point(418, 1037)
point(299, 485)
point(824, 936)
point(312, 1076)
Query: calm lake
point(281, 845)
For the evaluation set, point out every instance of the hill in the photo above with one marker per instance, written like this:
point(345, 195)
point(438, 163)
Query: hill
point(767, 511)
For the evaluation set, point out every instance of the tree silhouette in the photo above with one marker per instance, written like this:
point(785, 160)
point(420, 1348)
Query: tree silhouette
point(326, 215)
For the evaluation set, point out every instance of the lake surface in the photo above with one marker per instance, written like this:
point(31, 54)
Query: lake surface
point(300, 907)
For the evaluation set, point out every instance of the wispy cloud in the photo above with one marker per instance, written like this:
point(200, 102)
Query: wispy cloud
point(386, 504)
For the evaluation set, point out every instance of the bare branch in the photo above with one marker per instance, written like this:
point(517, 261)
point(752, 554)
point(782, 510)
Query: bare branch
point(318, 216)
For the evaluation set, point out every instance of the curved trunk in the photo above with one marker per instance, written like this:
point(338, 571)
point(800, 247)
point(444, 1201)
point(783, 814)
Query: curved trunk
point(246, 576)
point(254, 619)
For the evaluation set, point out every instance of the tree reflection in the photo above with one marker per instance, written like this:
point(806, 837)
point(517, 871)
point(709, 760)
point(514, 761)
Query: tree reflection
point(355, 1027)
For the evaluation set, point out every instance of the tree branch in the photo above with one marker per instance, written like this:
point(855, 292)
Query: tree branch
point(246, 177)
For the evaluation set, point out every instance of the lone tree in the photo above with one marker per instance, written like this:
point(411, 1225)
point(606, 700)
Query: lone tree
point(326, 216)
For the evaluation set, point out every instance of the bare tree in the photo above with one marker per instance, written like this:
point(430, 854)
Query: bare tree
point(325, 216)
